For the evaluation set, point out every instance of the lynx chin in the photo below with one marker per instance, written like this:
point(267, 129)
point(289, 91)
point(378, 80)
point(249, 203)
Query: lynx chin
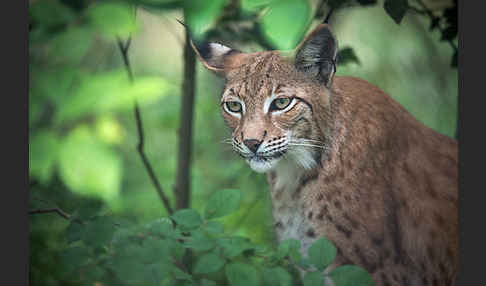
point(343, 160)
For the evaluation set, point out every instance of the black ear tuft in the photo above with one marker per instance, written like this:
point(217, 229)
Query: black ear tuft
point(204, 50)
point(326, 21)
point(317, 54)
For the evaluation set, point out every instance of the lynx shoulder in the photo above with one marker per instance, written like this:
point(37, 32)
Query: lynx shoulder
point(343, 160)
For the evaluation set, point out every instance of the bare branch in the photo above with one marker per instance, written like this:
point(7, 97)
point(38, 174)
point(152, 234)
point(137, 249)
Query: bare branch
point(53, 210)
point(141, 139)
point(61, 213)
point(58, 211)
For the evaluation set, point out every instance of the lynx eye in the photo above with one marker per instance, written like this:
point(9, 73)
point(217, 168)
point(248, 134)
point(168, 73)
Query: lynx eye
point(280, 103)
point(233, 106)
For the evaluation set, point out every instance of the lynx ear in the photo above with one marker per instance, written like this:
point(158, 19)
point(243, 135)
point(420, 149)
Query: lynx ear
point(316, 55)
point(217, 57)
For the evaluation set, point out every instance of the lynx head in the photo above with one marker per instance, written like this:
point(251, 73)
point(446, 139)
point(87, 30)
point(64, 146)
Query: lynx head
point(276, 105)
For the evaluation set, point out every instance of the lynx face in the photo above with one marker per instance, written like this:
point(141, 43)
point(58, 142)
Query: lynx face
point(275, 105)
point(270, 123)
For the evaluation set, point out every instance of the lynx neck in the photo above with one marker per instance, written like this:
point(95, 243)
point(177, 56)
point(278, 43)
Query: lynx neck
point(287, 204)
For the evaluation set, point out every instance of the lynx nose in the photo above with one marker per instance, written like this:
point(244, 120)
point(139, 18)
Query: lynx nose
point(252, 144)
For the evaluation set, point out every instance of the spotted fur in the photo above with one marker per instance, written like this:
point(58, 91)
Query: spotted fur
point(345, 161)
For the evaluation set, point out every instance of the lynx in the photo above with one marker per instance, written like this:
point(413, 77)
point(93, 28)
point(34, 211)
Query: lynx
point(343, 160)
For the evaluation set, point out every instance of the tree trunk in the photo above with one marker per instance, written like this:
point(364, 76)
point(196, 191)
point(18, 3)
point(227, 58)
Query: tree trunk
point(183, 180)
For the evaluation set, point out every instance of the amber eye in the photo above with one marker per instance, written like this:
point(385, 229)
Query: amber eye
point(280, 103)
point(233, 106)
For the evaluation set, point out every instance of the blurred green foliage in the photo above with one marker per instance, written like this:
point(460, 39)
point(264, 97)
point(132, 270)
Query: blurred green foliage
point(283, 33)
point(83, 137)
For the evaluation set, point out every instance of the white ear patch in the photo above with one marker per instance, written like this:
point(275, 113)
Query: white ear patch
point(218, 50)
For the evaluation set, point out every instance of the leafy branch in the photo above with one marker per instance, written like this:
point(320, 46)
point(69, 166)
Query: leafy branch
point(436, 24)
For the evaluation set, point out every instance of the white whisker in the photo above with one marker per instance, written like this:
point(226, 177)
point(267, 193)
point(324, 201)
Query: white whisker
point(309, 145)
point(305, 139)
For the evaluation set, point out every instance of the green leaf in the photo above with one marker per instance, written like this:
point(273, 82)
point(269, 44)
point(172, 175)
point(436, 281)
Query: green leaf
point(213, 227)
point(155, 249)
point(71, 45)
point(276, 276)
point(88, 210)
point(222, 203)
point(262, 250)
point(113, 19)
point(396, 9)
point(346, 55)
point(104, 92)
point(181, 275)
point(321, 253)
point(74, 232)
point(199, 241)
point(206, 282)
point(208, 263)
point(234, 246)
point(315, 278)
point(163, 227)
point(286, 22)
point(289, 247)
point(50, 13)
point(200, 15)
point(89, 167)
point(74, 257)
point(130, 271)
point(176, 249)
point(54, 83)
point(109, 130)
point(305, 263)
point(240, 274)
point(43, 155)
point(93, 273)
point(128, 249)
point(99, 231)
point(350, 275)
point(188, 218)
point(156, 272)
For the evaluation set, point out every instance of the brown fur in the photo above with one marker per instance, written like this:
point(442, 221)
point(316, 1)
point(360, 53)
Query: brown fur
point(384, 187)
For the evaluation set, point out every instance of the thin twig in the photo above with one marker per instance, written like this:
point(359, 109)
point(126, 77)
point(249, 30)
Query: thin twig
point(53, 210)
point(141, 139)
point(58, 211)
point(171, 31)
point(62, 214)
